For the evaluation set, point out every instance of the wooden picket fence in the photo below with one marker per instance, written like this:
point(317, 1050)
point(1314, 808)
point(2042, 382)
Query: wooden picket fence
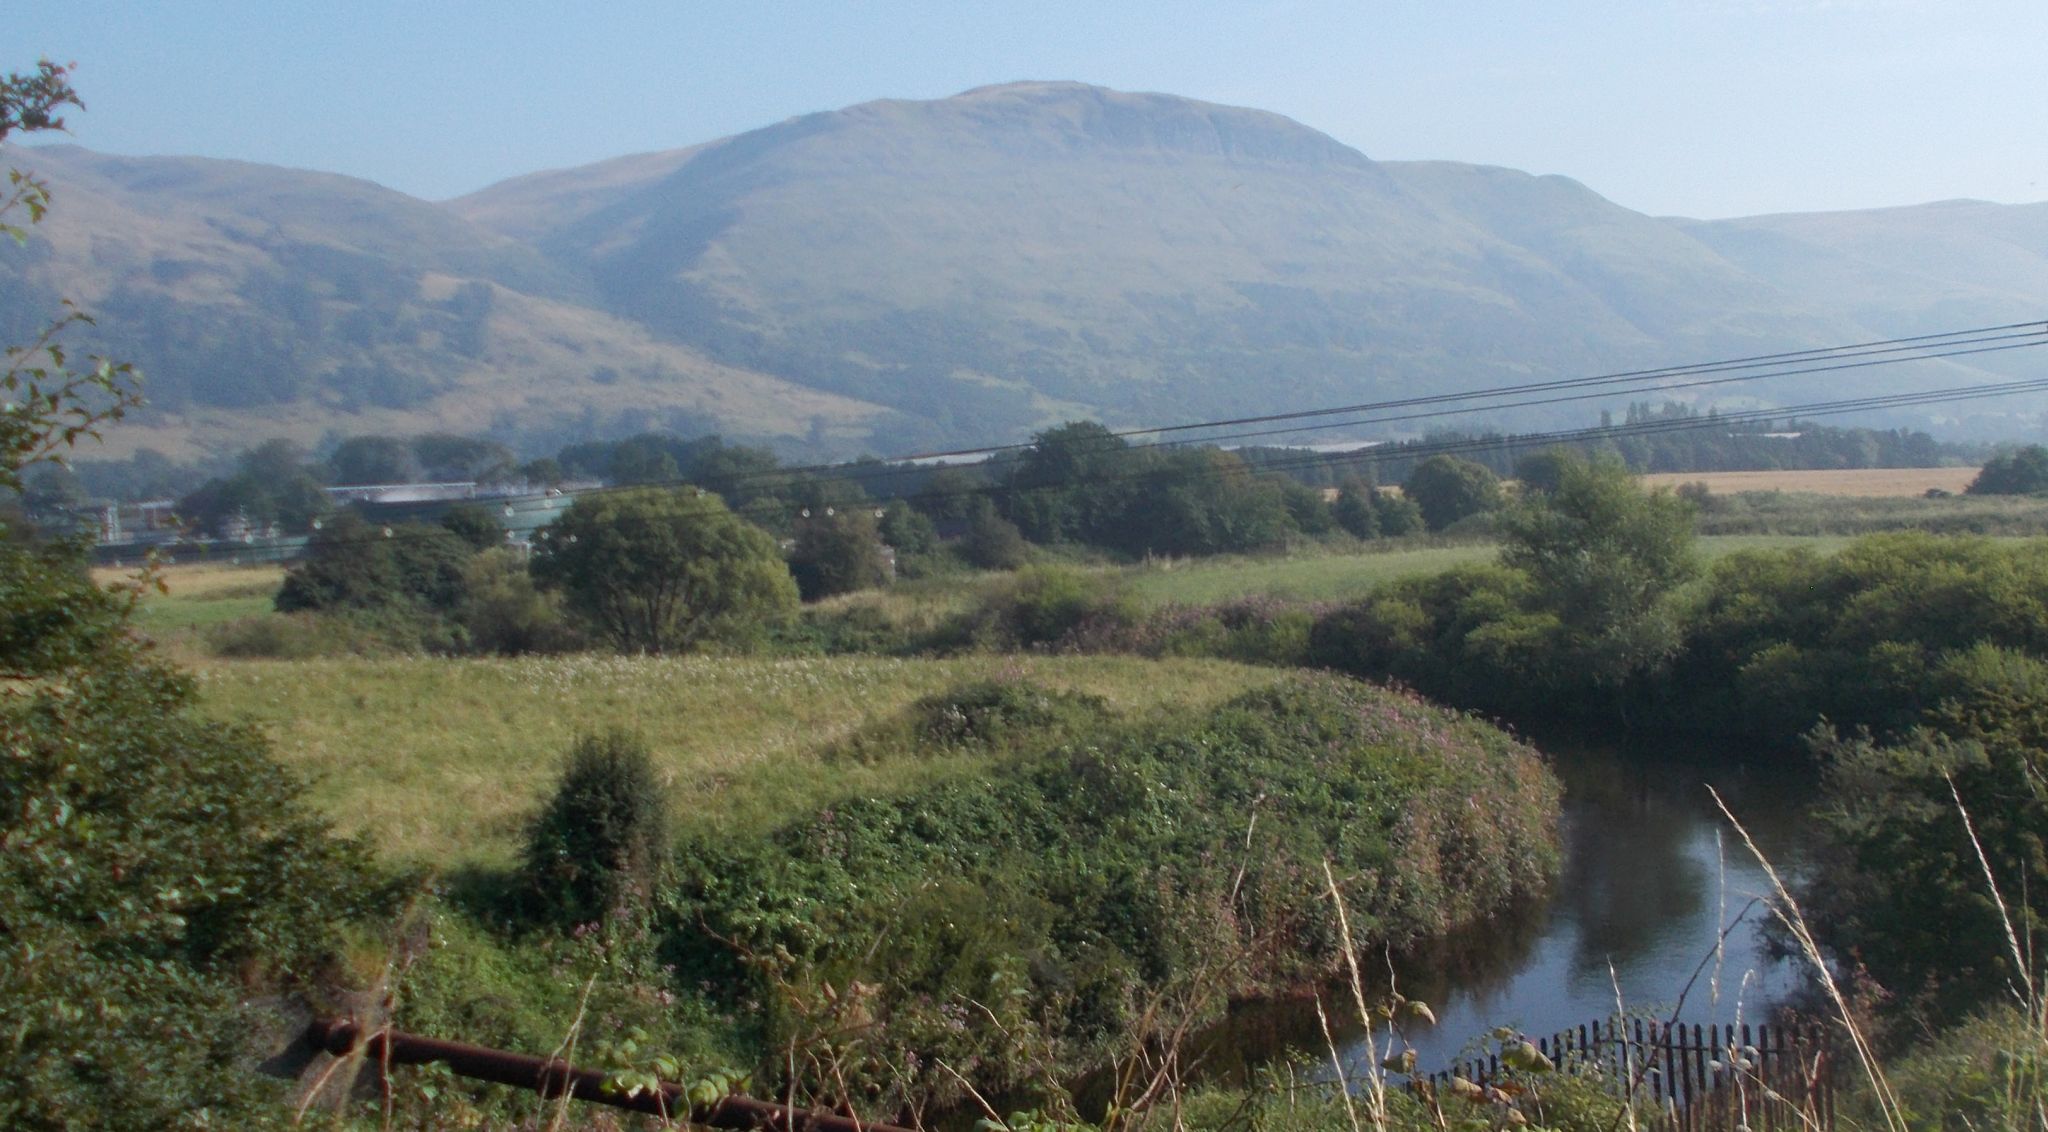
point(1694, 1078)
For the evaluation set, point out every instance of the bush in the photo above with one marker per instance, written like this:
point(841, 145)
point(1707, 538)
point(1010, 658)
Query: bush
point(159, 870)
point(350, 564)
point(986, 717)
point(1044, 605)
point(1072, 880)
point(503, 612)
point(838, 553)
point(599, 846)
point(293, 636)
point(992, 542)
point(2023, 471)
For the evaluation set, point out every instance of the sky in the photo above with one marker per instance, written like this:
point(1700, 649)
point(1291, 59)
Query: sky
point(1705, 108)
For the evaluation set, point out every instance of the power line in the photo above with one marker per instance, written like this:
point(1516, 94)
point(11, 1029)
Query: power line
point(1510, 442)
point(1890, 351)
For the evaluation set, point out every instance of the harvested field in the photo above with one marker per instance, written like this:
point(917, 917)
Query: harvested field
point(1866, 482)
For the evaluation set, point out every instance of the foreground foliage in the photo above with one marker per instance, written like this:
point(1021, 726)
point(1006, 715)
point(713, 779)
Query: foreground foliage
point(1062, 890)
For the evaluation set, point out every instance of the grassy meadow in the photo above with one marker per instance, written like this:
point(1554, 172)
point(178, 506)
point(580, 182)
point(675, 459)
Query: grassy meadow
point(440, 761)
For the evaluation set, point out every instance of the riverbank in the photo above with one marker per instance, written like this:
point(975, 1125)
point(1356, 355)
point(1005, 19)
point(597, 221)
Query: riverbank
point(1008, 873)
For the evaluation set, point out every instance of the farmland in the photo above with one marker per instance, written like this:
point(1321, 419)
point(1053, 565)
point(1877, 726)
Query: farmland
point(1863, 482)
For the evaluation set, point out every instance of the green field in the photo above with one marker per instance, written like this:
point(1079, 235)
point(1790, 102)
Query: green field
point(1330, 576)
point(440, 761)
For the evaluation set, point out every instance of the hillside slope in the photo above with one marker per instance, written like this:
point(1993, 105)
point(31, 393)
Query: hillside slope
point(902, 274)
point(263, 301)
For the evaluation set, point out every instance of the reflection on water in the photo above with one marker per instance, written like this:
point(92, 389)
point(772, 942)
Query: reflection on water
point(1651, 879)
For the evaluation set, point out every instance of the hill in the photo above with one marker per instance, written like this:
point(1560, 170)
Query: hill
point(898, 274)
point(272, 302)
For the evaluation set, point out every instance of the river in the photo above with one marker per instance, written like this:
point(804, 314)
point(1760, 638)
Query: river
point(1652, 876)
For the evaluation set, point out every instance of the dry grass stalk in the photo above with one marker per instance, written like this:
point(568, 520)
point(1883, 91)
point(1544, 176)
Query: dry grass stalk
point(1788, 913)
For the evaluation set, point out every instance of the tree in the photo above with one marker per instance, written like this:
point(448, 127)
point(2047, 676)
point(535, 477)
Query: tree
point(157, 868)
point(1398, 515)
point(2022, 471)
point(373, 459)
point(838, 551)
point(1356, 510)
point(1449, 489)
point(271, 484)
point(474, 524)
point(1603, 557)
point(1073, 483)
point(657, 570)
point(49, 406)
point(350, 564)
point(992, 542)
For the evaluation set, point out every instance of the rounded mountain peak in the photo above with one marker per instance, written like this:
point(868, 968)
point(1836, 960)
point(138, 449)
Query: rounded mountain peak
point(1077, 115)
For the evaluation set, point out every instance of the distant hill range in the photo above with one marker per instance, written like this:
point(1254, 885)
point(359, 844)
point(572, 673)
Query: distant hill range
point(898, 275)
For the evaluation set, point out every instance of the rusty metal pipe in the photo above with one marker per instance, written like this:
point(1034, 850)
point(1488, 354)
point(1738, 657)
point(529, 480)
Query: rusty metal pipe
point(552, 1077)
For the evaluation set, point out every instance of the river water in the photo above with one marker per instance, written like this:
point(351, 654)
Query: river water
point(1652, 878)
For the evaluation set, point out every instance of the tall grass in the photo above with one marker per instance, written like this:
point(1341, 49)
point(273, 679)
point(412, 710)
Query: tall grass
point(440, 760)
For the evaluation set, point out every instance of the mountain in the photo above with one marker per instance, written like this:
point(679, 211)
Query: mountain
point(1910, 270)
point(263, 301)
point(1023, 252)
point(902, 274)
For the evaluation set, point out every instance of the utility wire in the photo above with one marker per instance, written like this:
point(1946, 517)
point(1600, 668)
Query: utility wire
point(1879, 352)
point(1420, 450)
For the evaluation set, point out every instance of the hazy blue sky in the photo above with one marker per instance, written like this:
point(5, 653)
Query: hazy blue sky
point(1693, 107)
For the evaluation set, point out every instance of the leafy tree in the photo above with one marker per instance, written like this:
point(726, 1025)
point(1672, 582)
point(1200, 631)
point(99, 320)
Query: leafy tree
point(1306, 508)
point(644, 460)
point(1900, 889)
point(1355, 511)
point(1603, 558)
point(447, 458)
point(271, 484)
point(949, 493)
point(350, 564)
point(1398, 515)
point(502, 611)
point(907, 530)
point(373, 459)
point(544, 472)
point(48, 407)
point(1448, 489)
point(1541, 472)
point(656, 570)
point(838, 552)
point(474, 524)
point(2022, 471)
point(992, 542)
point(1072, 484)
point(53, 491)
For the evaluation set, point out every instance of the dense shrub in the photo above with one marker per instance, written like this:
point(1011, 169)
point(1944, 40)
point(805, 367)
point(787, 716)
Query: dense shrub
point(986, 717)
point(352, 565)
point(503, 612)
point(1069, 881)
point(1782, 639)
point(838, 553)
point(2022, 471)
point(1043, 605)
point(599, 845)
point(992, 542)
point(156, 868)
